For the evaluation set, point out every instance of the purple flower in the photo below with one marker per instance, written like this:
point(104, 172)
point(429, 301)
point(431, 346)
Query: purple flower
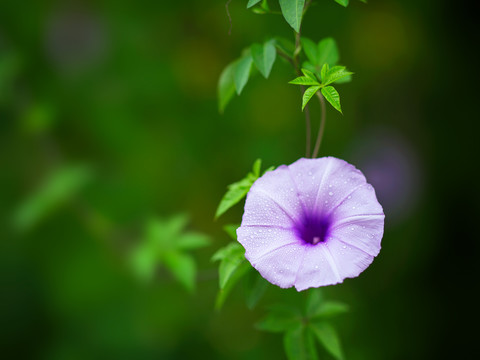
point(312, 223)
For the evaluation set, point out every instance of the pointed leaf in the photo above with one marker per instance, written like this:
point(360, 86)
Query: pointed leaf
point(242, 72)
point(143, 261)
point(327, 52)
point(264, 57)
point(231, 258)
point(255, 287)
point(222, 295)
point(183, 268)
point(344, 3)
point(238, 190)
point(335, 73)
point(310, 49)
point(252, 3)
point(332, 97)
point(324, 72)
point(226, 87)
point(309, 74)
point(257, 165)
point(328, 337)
point(292, 11)
point(307, 95)
point(303, 80)
point(285, 46)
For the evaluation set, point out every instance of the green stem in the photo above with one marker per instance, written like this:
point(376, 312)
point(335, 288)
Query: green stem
point(321, 129)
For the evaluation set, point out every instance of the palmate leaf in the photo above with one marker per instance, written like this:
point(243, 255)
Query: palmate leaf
point(310, 49)
point(165, 242)
point(292, 11)
point(332, 97)
point(264, 56)
point(328, 337)
point(307, 95)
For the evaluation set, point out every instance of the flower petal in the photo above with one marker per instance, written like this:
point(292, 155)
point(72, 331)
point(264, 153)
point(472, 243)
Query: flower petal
point(361, 231)
point(281, 265)
point(258, 241)
point(318, 269)
point(280, 188)
point(350, 261)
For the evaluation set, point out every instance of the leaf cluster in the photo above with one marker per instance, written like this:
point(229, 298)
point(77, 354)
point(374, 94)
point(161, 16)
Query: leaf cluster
point(165, 242)
point(303, 328)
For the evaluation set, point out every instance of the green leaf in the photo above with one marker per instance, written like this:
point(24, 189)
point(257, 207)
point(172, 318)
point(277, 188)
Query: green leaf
point(314, 301)
point(61, 186)
point(303, 80)
point(307, 95)
point(226, 87)
point(280, 318)
point(334, 74)
point(342, 2)
point(255, 287)
point(310, 49)
point(324, 72)
point(257, 166)
point(292, 11)
point(344, 80)
point(222, 295)
point(264, 56)
point(327, 52)
point(309, 74)
point(285, 46)
point(242, 72)
point(231, 258)
point(192, 241)
point(231, 230)
point(332, 97)
point(143, 261)
point(299, 344)
point(252, 3)
point(328, 337)
point(329, 309)
point(183, 268)
point(238, 190)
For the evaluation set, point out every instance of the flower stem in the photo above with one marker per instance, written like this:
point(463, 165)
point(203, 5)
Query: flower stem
point(321, 129)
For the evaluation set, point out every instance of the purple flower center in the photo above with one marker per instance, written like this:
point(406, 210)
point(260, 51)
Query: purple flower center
point(313, 228)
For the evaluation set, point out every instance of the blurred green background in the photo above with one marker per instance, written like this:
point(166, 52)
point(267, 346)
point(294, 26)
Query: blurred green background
point(121, 98)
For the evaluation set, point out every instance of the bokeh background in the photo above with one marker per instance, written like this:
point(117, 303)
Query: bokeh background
point(121, 97)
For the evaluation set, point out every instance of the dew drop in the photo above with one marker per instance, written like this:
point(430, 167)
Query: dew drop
point(349, 197)
point(330, 193)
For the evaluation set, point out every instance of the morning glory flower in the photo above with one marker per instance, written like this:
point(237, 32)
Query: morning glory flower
point(312, 223)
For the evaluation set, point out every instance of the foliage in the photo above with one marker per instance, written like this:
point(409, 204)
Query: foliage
point(301, 327)
point(165, 242)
